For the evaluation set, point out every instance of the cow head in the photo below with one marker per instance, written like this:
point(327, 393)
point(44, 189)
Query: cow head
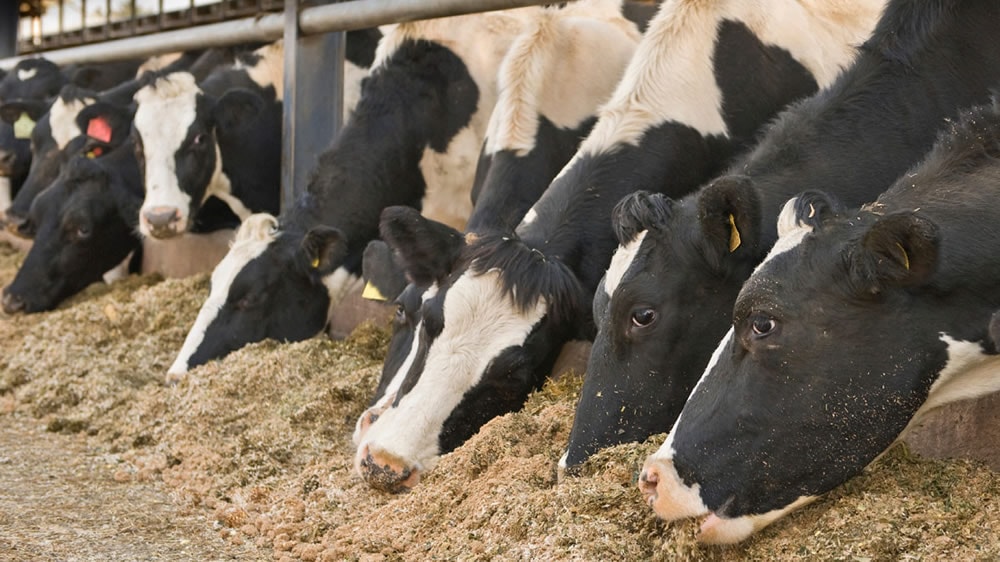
point(75, 124)
point(178, 126)
point(268, 285)
point(424, 252)
point(487, 338)
point(83, 227)
point(34, 79)
point(826, 362)
point(665, 297)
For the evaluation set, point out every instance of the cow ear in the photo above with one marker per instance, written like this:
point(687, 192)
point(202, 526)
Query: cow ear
point(85, 76)
point(106, 123)
point(729, 213)
point(900, 249)
point(10, 112)
point(259, 227)
point(807, 210)
point(236, 108)
point(384, 275)
point(324, 249)
point(640, 211)
point(427, 248)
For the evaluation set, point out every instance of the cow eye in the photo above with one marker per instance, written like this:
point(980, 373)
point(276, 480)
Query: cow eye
point(82, 232)
point(244, 303)
point(643, 317)
point(762, 325)
point(199, 139)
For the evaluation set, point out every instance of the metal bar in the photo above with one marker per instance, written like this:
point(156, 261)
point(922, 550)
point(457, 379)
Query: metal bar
point(356, 14)
point(289, 105)
point(9, 24)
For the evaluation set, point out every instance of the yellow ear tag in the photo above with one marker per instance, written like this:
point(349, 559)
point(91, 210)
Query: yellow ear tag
point(314, 263)
point(372, 293)
point(23, 127)
point(734, 235)
point(906, 258)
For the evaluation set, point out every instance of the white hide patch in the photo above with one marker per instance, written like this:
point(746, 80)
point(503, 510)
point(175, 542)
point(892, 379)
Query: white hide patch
point(254, 236)
point(479, 323)
point(338, 285)
point(969, 373)
point(25, 75)
point(538, 75)
point(620, 262)
point(62, 119)
point(353, 75)
point(448, 177)
point(270, 68)
point(5, 193)
point(529, 217)
point(165, 112)
point(670, 77)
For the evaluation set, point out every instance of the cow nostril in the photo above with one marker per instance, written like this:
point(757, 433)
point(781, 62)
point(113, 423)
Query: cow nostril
point(24, 228)
point(161, 217)
point(383, 472)
point(648, 481)
point(12, 304)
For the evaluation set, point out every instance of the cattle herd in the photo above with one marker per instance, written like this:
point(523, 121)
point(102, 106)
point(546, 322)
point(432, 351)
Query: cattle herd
point(772, 217)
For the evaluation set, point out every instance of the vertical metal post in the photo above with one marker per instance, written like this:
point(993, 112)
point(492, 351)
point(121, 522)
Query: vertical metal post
point(313, 101)
point(9, 24)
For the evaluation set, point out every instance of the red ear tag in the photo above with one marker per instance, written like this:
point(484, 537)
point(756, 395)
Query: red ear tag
point(99, 129)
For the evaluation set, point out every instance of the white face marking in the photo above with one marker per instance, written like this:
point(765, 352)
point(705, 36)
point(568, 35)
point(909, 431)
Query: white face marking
point(621, 261)
point(529, 217)
point(254, 236)
point(62, 119)
point(670, 77)
point(165, 112)
point(537, 77)
point(716, 530)
point(25, 75)
point(456, 361)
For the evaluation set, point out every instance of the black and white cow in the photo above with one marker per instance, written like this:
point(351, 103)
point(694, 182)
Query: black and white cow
point(668, 295)
point(57, 125)
point(220, 137)
point(85, 225)
point(542, 113)
point(704, 78)
point(413, 139)
point(854, 326)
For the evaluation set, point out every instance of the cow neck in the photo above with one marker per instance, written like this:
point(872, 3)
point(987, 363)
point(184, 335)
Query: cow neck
point(587, 191)
point(356, 178)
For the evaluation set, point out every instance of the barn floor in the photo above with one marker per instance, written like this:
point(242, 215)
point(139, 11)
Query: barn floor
point(251, 457)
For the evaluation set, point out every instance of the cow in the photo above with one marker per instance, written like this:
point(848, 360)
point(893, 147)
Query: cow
point(85, 226)
point(704, 78)
point(57, 126)
point(222, 138)
point(669, 293)
point(541, 116)
point(854, 326)
point(413, 139)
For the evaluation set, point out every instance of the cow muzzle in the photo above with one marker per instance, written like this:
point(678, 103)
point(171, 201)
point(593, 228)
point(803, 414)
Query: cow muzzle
point(13, 304)
point(663, 490)
point(162, 221)
point(384, 471)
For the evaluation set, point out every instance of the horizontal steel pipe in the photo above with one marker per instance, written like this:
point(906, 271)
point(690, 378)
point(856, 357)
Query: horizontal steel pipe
point(344, 16)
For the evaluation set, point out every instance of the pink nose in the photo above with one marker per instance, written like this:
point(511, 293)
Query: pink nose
point(386, 472)
point(163, 221)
